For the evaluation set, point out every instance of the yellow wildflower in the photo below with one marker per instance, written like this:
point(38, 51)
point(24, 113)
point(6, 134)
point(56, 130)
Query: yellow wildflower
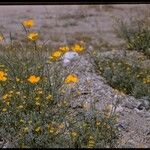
point(40, 46)
point(38, 129)
point(18, 93)
point(52, 129)
point(98, 123)
point(8, 103)
point(17, 79)
point(21, 121)
point(24, 97)
point(64, 49)
point(77, 48)
point(37, 103)
point(91, 142)
point(4, 109)
point(3, 76)
point(33, 79)
point(72, 78)
point(61, 126)
point(128, 68)
point(37, 98)
point(63, 91)
point(39, 90)
point(55, 55)
point(26, 129)
point(28, 23)
point(49, 97)
point(20, 106)
point(30, 121)
point(11, 92)
point(33, 36)
point(5, 96)
point(74, 134)
point(2, 65)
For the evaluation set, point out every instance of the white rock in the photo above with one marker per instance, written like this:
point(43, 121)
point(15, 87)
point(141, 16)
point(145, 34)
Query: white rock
point(67, 57)
point(119, 109)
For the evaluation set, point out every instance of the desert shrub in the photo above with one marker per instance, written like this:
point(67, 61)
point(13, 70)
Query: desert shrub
point(126, 77)
point(136, 34)
point(35, 106)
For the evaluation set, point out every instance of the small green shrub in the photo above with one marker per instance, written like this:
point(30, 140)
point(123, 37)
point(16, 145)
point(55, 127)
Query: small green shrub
point(129, 78)
point(136, 35)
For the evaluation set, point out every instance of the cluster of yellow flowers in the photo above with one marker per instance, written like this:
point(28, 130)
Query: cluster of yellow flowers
point(146, 80)
point(7, 96)
point(53, 128)
point(33, 79)
point(72, 78)
point(55, 55)
point(32, 36)
point(91, 142)
point(77, 48)
point(74, 135)
point(28, 23)
point(63, 49)
point(3, 76)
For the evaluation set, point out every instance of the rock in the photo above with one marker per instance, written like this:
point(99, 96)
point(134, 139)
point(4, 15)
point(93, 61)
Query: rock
point(140, 107)
point(8, 145)
point(67, 57)
point(119, 109)
point(2, 142)
point(91, 48)
point(129, 144)
point(147, 115)
point(121, 126)
point(131, 104)
point(144, 104)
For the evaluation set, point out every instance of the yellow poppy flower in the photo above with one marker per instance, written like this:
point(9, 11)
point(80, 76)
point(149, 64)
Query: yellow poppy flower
point(49, 97)
point(72, 78)
point(26, 129)
point(5, 96)
point(38, 129)
point(91, 142)
point(28, 23)
point(64, 49)
point(21, 121)
point(3, 76)
point(17, 79)
point(55, 55)
point(37, 104)
point(33, 79)
point(74, 134)
point(20, 107)
point(77, 48)
point(4, 109)
point(33, 36)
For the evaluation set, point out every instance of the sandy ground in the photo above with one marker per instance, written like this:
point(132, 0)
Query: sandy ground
point(60, 24)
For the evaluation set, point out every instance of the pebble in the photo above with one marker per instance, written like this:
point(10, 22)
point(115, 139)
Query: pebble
point(144, 104)
point(67, 57)
point(119, 109)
